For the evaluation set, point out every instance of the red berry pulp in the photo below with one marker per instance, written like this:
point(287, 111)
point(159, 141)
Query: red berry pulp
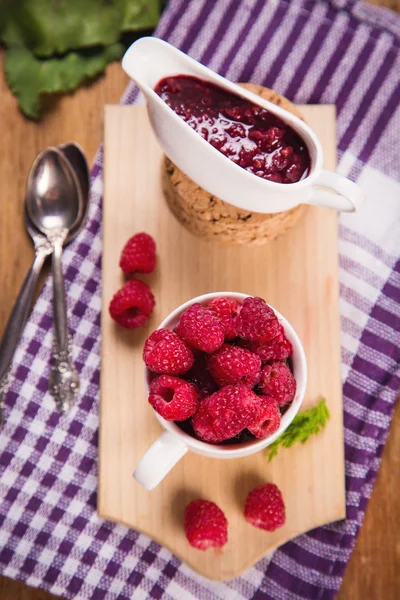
point(246, 133)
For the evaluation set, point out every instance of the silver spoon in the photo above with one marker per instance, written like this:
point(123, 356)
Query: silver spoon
point(54, 204)
point(17, 320)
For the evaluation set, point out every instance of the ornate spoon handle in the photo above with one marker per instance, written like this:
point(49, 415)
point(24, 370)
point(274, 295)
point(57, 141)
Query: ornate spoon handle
point(64, 379)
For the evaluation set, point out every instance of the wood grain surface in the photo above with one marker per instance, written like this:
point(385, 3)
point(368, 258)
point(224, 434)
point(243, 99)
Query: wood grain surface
point(373, 571)
point(189, 266)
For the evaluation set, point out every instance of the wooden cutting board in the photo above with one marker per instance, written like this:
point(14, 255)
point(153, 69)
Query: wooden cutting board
point(298, 274)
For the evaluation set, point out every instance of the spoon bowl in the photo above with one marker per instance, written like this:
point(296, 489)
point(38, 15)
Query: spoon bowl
point(78, 163)
point(53, 198)
point(74, 154)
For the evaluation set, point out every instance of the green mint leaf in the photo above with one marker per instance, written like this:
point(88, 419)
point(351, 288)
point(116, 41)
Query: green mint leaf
point(29, 76)
point(309, 422)
point(49, 27)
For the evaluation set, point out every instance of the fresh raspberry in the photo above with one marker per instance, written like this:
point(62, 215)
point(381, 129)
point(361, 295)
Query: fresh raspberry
point(264, 507)
point(226, 309)
point(132, 305)
point(138, 254)
point(231, 365)
point(205, 525)
point(226, 413)
point(200, 377)
point(201, 329)
point(279, 348)
point(173, 398)
point(277, 381)
point(268, 420)
point(165, 352)
point(256, 321)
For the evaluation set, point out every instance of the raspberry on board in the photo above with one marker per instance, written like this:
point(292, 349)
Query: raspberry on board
point(138, 254)
point(279, 348)
point(226, 413)
point(277, 380)
point(201, 329)
point(165, 352)
point(173, 398)
point(231, 365)
point(264, 507)
point(132, 305)
point(256, 321)
point(205, 525)
point(268, 420)
point(226, 309)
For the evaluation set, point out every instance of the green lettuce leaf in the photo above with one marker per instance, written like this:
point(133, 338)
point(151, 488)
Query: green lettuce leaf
point(139, 15)
point(29, 76)
point(57, 26)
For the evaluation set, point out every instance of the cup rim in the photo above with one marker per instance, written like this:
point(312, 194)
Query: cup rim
point(250, 447)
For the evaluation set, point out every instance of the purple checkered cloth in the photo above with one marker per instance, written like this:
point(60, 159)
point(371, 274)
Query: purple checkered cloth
point(340, 52)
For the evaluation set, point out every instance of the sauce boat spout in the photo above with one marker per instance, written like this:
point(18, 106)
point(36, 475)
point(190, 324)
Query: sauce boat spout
point(149, 59)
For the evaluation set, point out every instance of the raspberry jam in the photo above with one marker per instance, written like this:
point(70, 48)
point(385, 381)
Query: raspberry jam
point(249, 135)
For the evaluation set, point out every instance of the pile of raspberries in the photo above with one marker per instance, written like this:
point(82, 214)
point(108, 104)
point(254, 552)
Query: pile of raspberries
point(222, 370)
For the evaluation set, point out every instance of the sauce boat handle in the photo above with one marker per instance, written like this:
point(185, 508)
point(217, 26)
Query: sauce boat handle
point(347, 196)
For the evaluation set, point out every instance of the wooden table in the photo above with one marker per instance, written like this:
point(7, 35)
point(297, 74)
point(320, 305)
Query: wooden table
point(374, 569)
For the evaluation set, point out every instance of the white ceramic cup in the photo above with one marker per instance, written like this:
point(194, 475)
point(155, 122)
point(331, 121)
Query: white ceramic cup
point(148, 60)
point(173, 443)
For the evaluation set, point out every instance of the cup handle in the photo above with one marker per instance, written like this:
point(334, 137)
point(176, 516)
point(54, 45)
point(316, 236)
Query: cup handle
point(159, 459)
point(349, 197)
